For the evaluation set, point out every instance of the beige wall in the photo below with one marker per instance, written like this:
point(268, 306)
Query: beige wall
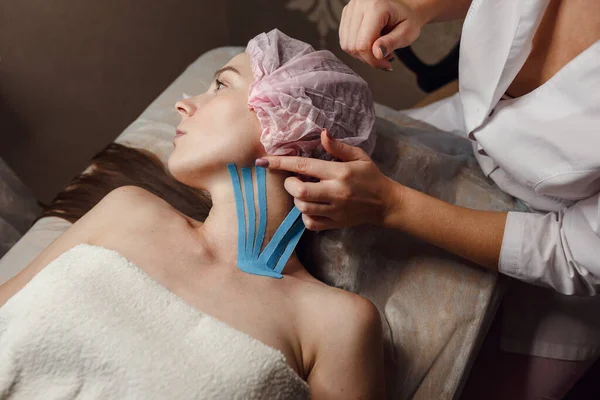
point(74, 74)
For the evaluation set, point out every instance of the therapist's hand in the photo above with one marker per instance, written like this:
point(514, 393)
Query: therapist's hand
point(349, 193)
point(371, 30)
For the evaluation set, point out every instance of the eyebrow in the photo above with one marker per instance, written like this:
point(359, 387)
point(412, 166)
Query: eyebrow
point(227, 68)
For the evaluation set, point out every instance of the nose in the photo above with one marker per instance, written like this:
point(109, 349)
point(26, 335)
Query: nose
point(185, 108)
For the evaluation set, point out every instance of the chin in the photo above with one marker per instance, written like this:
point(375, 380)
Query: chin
point(175, 169)
point(190, 172)
point(170, 164)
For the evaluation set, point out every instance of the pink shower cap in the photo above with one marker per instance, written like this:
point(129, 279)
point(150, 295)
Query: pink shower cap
point(298, 91)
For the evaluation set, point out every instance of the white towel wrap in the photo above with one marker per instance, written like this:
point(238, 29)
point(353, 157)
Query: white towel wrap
point(93, 325)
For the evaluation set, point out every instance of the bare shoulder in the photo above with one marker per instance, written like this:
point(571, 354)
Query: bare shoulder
point(132, 198)
point(136, 217)
point(116, 216)
point(130, 207)
point(337, 309)
point(354, 313)
point(347, 340)
point(340, 317)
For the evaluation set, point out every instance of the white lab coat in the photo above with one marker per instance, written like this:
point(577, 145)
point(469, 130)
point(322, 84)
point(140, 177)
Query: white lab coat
point(544, 148)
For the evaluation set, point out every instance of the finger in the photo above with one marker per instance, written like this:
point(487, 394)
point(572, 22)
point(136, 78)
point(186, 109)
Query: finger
point(355, 14)
point(341, 150)
point(317, 192)
point(347, 26)
point(404, 34)
point(358, 46)
point(318, 223)
point(301, 165)
point(342, 32)
point(370, 30)
point(313, 209)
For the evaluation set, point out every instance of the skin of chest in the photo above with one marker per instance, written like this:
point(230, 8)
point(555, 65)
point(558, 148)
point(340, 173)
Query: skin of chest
point(270, 310)
point(568, 27)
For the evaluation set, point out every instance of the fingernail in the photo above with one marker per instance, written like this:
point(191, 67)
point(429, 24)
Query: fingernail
point(328, 134)
point(261, 162)
point(383, 51)
point(389, 69)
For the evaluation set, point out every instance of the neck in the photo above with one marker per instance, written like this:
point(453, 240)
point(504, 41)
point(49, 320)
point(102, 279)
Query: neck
point(219, 232)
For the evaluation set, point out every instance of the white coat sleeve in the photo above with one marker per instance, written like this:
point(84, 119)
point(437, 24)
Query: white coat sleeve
point(560, 250)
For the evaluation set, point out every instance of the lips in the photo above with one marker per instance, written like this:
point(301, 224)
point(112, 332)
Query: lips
point(179, 133)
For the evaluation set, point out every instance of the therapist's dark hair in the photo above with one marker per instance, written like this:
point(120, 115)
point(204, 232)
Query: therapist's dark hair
point(119, 165)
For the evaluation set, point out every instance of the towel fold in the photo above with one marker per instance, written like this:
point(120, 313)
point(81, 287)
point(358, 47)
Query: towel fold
point(93, 325)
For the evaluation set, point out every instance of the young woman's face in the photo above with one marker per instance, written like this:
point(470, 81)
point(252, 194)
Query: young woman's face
point(217, 127)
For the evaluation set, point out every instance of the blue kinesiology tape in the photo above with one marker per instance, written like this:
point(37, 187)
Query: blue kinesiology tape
point(272, 260)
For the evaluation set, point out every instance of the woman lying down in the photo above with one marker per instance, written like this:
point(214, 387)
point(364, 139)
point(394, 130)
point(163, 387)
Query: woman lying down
point(139, 300)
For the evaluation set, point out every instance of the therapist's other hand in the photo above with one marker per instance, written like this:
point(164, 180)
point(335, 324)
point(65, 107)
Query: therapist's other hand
point(371, 30)
point(349, 193)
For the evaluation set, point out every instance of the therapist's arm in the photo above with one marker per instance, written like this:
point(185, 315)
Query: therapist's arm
point(355, 192)
point(472, 234)
point(560, 250)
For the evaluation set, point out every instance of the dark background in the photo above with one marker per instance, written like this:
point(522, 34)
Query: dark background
point(74, 74)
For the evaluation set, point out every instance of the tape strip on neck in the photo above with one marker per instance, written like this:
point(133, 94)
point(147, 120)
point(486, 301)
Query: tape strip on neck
point(274, 257)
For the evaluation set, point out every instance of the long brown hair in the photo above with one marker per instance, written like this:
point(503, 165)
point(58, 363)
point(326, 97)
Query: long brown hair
point(119, 165)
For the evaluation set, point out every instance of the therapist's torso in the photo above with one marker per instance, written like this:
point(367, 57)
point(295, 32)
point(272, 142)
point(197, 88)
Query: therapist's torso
point(542, 146)
point(566, 30)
